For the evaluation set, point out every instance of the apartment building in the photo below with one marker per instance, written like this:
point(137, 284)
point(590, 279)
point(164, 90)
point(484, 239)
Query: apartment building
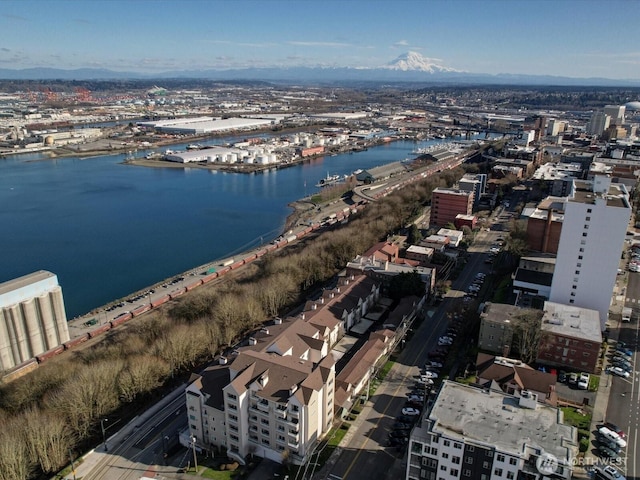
point(447, 203)
point(485, 434)
point(571, 337)
point(274, 398)
point(275, 395)
point(595, 222)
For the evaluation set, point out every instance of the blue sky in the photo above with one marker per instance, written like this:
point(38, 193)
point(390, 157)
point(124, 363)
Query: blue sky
point(575, 38)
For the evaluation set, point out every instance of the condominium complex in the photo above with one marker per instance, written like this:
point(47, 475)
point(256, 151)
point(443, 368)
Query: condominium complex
point(274, 396)
point(32, 317)
point(595, 222)
point(485, 434)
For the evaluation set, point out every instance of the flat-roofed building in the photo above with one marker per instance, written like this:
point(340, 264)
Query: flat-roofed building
point(485, 434)
point(32, 317)
point(447, 203)
point(571, 337)
point(497, 324)
point(595, 223)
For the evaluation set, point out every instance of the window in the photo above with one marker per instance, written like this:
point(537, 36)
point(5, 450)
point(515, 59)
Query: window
point(500, 457)
point(265, 441)
point(264, 421)
point(447, 443)
point(233, 417)
point(467, 473)
point(192, 417)
point(588, 219)
point(580, 257)
point(586, 354)
point(578, 264)
point(455, 460)
point(588, 210)
point(233, 427)
point(572, 301)
point(485, 465)
point(468, 460)
point(586, 227)
point(445, 455)
point(443, 467)
point(231, 396)
point(498, 472)
point(584, 234)
point(471, 448)
point(234, 437)
point(454, 472)
point(513, 461)
point(582, 250)
point(574, 286)
point(510, 475)
point(434, 451)
point(577, 272)
point(265, 431)
point(233, 406)
point(573, 294)
point(457, 445)
point(193, 427)
point(281, 438)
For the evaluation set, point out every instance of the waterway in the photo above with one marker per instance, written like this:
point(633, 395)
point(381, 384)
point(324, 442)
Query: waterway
point(108, 229)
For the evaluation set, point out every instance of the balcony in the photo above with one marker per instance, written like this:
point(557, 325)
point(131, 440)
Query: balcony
point(293, 443)
point(281, 413)
point(294, 414)
point(294, 436)
point(293, 423)
point(263, 407)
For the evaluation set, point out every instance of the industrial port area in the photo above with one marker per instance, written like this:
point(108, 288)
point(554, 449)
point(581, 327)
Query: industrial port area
point(476, 207)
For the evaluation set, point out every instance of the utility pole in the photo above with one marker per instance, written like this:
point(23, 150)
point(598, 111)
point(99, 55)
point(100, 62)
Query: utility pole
point(104, 437)
point(73, 467)
point(195, 458)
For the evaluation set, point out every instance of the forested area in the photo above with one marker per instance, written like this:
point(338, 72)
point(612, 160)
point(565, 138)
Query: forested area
point(57, 408)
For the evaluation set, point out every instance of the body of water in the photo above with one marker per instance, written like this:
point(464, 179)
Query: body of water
point(108, 229)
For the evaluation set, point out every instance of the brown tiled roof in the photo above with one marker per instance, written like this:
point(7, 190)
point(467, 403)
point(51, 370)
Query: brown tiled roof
point(361, 362)
point(211, 382)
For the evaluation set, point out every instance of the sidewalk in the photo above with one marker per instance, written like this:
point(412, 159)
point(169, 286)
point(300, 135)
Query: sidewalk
point(92, 459)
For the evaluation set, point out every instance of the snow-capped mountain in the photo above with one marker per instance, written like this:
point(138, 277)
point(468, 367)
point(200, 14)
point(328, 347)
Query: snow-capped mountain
point(414, 62)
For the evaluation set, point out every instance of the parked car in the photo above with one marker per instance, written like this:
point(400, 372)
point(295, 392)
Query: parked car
point(442, 341)
point(398, 434)
point(429, 375)
point(402, 426)
point(398, 442)
point(615, 428)
point(624, 351)
point(609, 472)
point(583, 381)
point(610, 444)
point(433, 363)
point(410, 411)
point(414, 398)
point(607, 452)
point(618, 371)
point(573, 378)
point(613, 436)
point(562, 376)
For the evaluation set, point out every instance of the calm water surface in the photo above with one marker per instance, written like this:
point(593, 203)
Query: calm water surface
point(108, 229)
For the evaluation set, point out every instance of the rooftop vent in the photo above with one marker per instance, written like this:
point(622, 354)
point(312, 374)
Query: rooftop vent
point(252, 341)
point(277, 321)
point(222, 360)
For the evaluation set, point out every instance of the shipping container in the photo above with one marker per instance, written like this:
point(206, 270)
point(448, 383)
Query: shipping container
point(177, 292)
point(193, 285)
point(120, 319)
point(209, 277)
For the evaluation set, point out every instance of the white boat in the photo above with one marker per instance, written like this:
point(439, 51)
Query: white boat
point(331, 180)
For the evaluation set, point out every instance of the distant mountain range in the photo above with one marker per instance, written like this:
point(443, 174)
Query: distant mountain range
point(409, 67)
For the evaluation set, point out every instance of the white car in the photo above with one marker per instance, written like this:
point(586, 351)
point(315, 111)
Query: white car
point(583, 381)
point(609, 472)
point(433, 364)
point(620, 372)
point(429, 375)
point(612, 436)
point(410, 411)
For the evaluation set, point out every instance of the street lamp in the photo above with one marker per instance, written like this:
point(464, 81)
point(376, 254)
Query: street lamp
point(104, 437)
point(195, 458)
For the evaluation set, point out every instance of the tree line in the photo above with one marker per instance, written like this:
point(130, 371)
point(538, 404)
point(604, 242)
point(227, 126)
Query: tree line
point(57, 408)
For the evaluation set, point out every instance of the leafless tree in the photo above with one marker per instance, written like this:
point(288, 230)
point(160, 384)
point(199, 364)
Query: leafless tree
point(15, 463)
point(142, 374)
point(48, 438)
point(527, 333)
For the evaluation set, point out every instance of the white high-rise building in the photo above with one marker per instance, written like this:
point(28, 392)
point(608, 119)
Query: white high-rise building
point(32, 317)
point(596, 216)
